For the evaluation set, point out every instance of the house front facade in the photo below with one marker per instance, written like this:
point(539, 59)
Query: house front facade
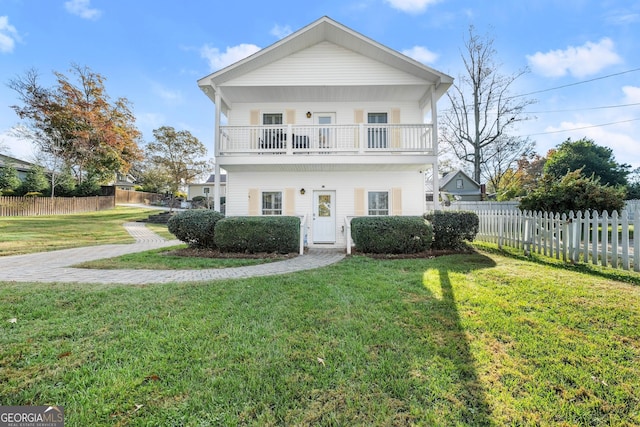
point(327, 125)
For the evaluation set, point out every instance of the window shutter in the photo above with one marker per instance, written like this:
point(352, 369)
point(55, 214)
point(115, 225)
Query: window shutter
point(358, 202)
point(358, 116)
point(395, 132)
point(254, 201)
point(290, 201)
point(396, 200)
point(291, 117)
point(254, 117)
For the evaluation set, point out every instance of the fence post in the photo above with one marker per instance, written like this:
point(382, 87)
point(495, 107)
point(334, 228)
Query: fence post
point(614, 239)
point(625, 239)
point(604, 224)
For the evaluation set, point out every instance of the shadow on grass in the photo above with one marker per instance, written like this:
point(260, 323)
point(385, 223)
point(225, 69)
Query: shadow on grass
point(580, 267)
point(451, 342)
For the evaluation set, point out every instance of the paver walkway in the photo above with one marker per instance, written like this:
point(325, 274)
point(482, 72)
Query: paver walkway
point(55, 266)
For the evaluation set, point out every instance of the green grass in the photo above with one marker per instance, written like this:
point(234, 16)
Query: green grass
point(21, 235)
point(479, 339)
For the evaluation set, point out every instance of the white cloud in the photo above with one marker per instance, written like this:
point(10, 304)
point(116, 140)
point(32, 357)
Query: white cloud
point(421, 54)
point(218, 60)
point(411, 6)
point(8, 35)
point(632, 94)
point(580, 61)
point(171, 96)
point(280, 32)
point(82, 8)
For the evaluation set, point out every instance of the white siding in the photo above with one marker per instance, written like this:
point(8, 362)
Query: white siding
point(325, 64)
point(344, 183)
point(410, 113)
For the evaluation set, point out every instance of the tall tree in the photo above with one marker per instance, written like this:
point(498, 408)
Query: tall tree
point(78, 123)
point(179, 154)
point(483, 113)
point(9, 179)
point(590, 158)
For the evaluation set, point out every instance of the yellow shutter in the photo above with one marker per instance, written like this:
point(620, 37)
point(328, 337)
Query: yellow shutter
point(290, 201)
point(358, 202)
point(254, 120)
point(358, 116)
point(395, 132)
point(396, 201)
point(291, 117)
point(254, 201)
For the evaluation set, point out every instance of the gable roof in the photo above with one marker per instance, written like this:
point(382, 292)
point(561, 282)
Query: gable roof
point(451, 175)
point(324, 29)
point(20, 165)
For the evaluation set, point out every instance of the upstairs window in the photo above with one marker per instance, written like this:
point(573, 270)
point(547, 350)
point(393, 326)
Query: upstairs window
point(272, 119)
point(377, 135)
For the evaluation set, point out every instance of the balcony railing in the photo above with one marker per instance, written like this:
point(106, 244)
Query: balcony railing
point(326, 139)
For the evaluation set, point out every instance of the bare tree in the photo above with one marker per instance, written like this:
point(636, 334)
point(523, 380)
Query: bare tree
point(477, 126)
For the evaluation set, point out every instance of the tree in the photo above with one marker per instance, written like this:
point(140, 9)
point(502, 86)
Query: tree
point(78, 123)
point(477, 126)
point(179, 154)
point(633, 189)
point(522, 180)
point(35, 181)
point(9, 177)
point(592, 159)
point(573, 192)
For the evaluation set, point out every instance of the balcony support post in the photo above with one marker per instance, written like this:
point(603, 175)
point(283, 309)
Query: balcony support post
point(216, 150)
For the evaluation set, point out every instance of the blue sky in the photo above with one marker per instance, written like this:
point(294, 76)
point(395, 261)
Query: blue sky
point(583, 55)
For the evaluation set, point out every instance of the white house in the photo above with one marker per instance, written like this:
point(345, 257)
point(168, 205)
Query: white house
point(326, 124)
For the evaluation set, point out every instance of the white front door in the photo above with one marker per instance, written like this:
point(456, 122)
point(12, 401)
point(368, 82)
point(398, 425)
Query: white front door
point(326, 136)
point(324, 217)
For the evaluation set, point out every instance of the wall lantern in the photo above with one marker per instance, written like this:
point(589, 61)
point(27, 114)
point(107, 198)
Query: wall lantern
point(308, 114)
point(302, 191)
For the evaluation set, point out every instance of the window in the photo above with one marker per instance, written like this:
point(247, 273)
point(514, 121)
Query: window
point(272, 203)
point(459, 183)
point(205, 190)
point(378, 203)
point(272, 119)
point(273, 136)
point(377, 135)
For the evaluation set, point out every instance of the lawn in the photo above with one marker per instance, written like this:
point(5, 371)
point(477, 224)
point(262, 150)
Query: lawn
point(480, 339)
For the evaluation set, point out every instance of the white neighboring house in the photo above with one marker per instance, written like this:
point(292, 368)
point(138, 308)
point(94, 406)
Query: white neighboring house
point(326, 124)
point(206, 189)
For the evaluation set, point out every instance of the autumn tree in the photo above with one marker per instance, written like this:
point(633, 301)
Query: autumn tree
point(483, 115)
point(179, 154)
point(77, 122)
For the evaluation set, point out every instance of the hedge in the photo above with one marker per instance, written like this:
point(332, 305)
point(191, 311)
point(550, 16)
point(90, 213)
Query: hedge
point(451, 229)
point(195, 227)
point(257, 234)
point(391, 234)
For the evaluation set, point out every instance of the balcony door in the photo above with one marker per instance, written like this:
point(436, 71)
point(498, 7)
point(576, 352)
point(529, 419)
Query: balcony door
point(324, 217)
point(377, 135)
point(326, 135)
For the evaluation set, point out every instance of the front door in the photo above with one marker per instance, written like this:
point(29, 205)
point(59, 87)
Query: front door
point(324, 217)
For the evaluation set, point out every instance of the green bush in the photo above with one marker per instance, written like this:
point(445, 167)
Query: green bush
point(391, 234)
point(256, 234)
point(195, 227)
point(451, 229)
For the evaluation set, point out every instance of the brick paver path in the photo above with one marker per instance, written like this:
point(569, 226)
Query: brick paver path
point(54, 266)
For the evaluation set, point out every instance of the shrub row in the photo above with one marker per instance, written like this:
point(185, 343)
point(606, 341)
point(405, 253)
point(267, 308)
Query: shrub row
point(203, 228)
point(391, 234)
point(451, 229)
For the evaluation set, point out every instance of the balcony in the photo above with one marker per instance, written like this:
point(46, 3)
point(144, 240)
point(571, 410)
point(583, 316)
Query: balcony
point(324, 140)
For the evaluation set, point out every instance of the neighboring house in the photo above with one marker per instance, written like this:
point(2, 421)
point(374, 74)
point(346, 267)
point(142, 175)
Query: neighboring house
point(326, 124)
point(461, 186)
point(206, 189)
point(124, 181)
point(20, 165)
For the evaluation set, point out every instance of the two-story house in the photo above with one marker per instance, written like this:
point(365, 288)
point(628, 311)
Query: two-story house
point(326, 124)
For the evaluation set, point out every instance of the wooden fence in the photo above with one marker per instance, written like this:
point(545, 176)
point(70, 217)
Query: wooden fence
point(33, 206)
point(126, 196)
point(603, 239)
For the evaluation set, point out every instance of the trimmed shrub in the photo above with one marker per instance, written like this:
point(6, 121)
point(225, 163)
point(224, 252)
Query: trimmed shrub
point(451, 229)
point(391, 234)
point(195, 227)
point(256, 234)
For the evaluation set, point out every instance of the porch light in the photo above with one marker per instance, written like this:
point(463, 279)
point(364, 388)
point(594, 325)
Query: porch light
point(308, 114)
point(302, 191)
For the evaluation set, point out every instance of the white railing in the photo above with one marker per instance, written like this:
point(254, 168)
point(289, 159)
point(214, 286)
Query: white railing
point(326, 139)
point(604, 239)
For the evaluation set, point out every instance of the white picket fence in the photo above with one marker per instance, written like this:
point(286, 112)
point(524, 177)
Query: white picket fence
point(603, 239)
